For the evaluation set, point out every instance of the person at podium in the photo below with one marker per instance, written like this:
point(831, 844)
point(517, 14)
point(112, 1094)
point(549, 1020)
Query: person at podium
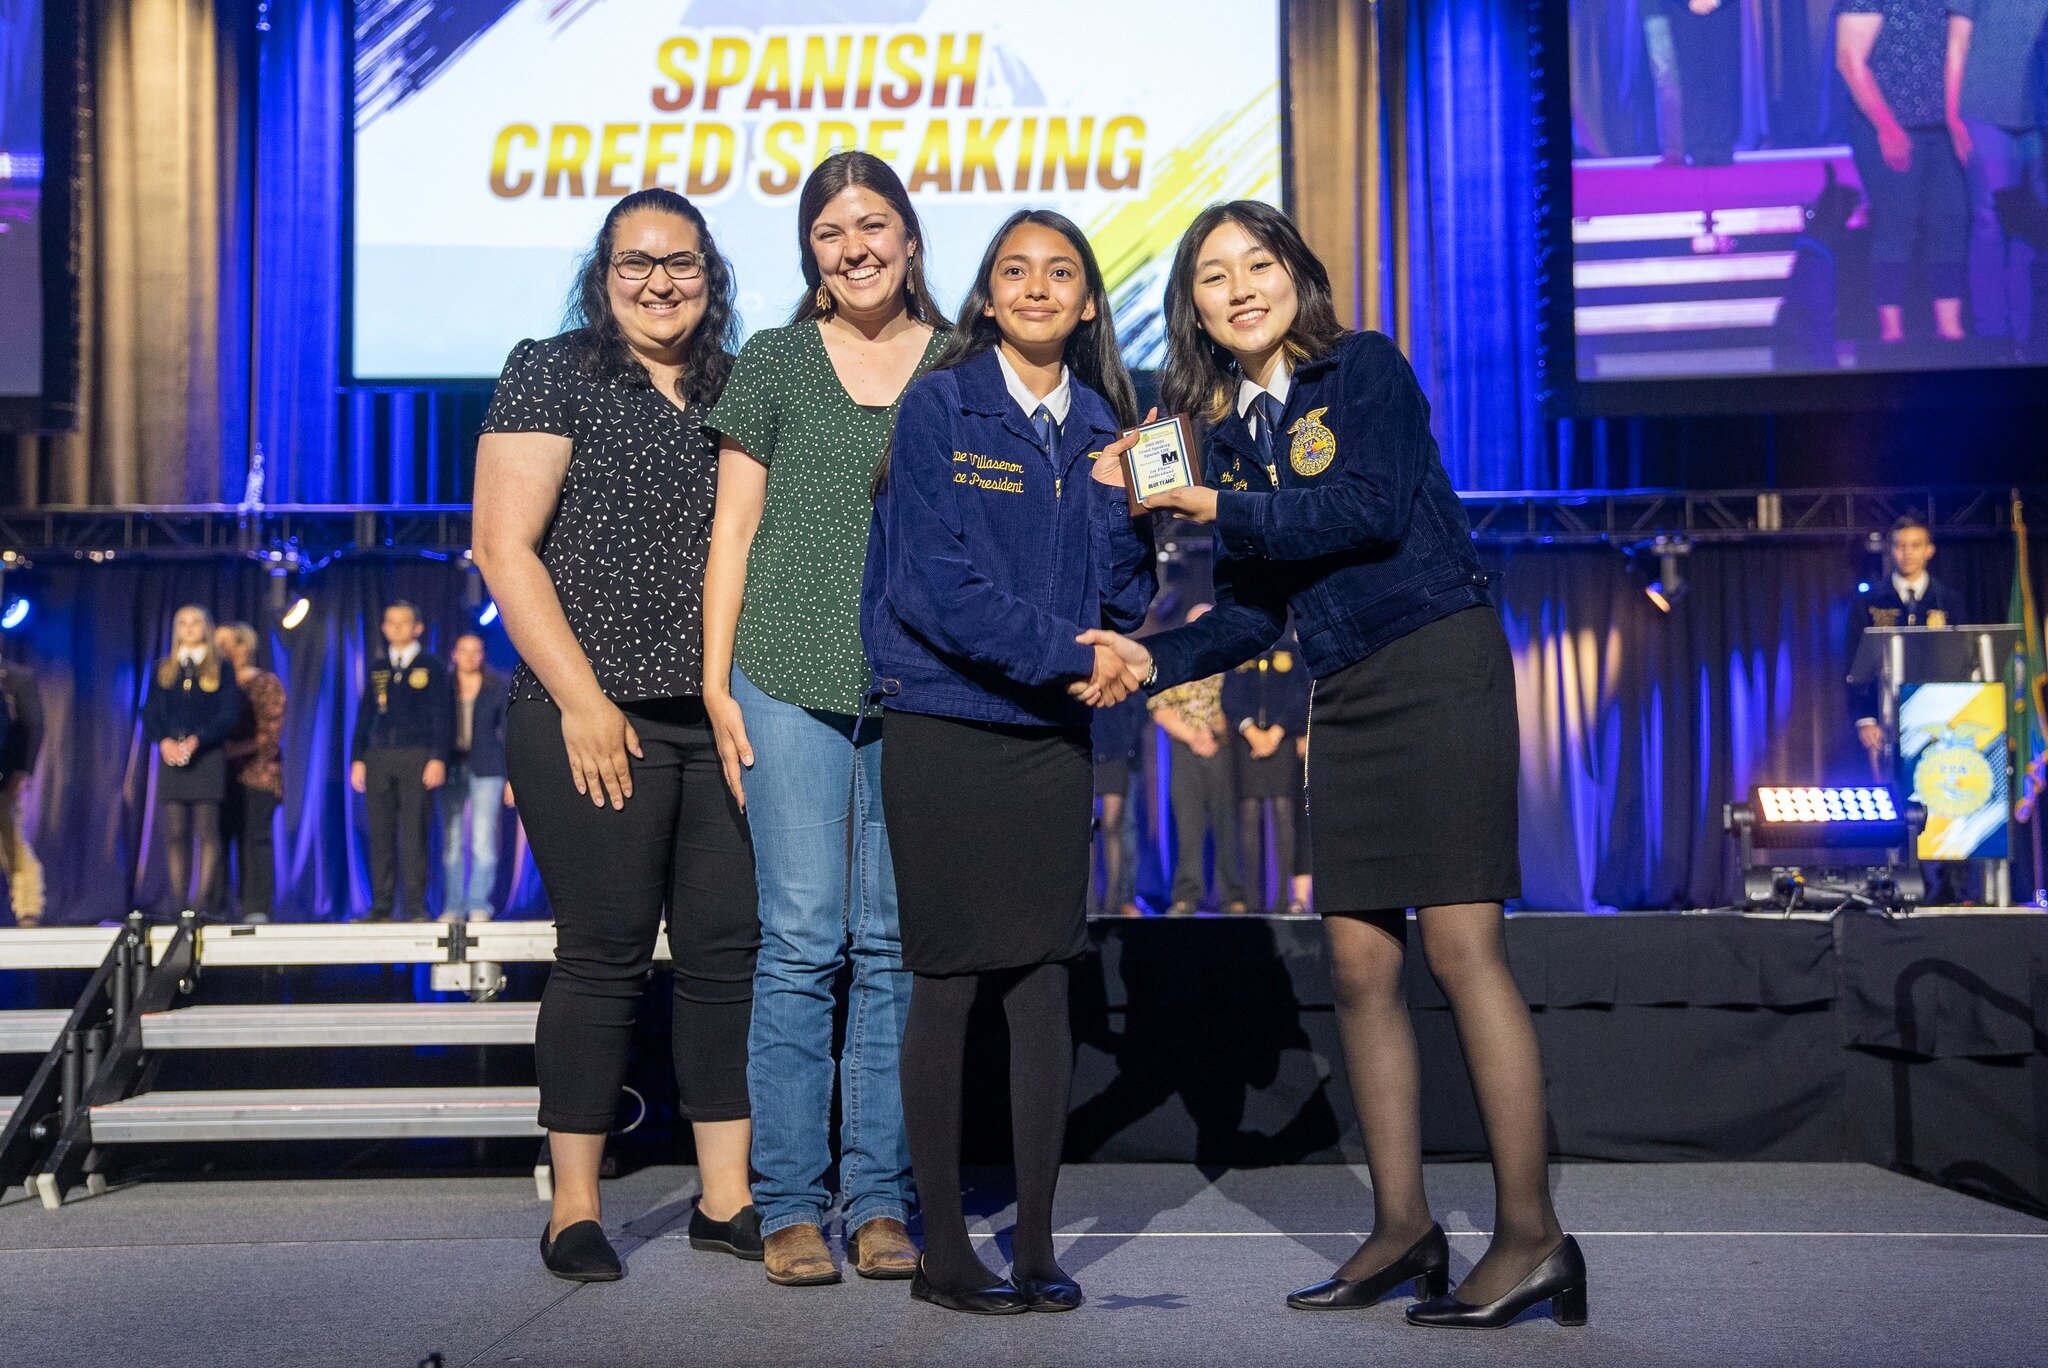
point(1908, 596)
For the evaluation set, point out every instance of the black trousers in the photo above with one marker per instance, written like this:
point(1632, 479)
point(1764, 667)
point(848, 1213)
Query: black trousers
point(396, 802)
point(1204, 792)
point(678, 848)
point(248, 828)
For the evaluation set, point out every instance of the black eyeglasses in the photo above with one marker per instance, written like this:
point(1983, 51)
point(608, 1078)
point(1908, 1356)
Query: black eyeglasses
point(638, 265)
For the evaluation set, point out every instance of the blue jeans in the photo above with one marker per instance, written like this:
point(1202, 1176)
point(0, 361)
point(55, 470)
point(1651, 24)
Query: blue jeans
point(2007, 276)
point(808, 783)
point(471, 807)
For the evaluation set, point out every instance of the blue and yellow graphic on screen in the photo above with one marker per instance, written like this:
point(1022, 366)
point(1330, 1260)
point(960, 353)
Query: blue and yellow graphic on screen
point(1953, 762)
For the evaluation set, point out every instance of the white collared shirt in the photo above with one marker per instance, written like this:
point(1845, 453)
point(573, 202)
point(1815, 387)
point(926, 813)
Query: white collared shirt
point(191, 655)
point(1057, 400)
point(1916, 587)
point(404, 655)
point(1249, 389)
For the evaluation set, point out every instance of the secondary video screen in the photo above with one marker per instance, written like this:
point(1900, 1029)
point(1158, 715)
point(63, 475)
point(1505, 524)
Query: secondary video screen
point(21, 198)
point(1802, 186)
point(490, 138)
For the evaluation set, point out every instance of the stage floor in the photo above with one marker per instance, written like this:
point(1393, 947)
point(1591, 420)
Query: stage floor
point(1692, 1263)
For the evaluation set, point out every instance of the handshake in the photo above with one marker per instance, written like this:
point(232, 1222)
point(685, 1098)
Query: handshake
point(1121, 666)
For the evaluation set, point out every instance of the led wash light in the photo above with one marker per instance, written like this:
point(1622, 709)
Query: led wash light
point(1805, 805)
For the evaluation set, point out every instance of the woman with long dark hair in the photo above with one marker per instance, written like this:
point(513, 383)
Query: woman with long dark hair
point(804, 423)
point(994, 542)
point(191, 707)
point(1331, 502)
point(595, 480)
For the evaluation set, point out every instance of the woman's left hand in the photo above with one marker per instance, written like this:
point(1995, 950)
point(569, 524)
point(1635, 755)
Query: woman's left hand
point(1109, 466)
point(1197, 504)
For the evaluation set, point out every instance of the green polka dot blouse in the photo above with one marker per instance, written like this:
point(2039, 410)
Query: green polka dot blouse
point(799, 632)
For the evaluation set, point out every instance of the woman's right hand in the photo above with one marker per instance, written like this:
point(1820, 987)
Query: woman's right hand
point(599, 738)
point(729, 730)
point(1895, 144)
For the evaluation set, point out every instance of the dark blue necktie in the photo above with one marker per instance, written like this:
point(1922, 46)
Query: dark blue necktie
point(1268, 410)
point(1048, 433)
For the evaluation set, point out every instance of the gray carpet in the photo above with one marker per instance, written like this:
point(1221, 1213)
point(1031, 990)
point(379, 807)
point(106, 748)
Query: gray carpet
point(1692, 1264)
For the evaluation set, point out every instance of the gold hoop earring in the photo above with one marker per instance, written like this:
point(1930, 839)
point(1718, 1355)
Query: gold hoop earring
point(823, 299)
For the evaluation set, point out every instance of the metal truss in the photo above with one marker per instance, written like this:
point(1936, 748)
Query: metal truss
point(309, 535)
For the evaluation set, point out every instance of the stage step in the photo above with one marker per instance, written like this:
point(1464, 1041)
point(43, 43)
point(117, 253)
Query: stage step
point(318, 1114)
point(303, 1026)
point(33, 1032)
point(7, 1106)
point(55, 947)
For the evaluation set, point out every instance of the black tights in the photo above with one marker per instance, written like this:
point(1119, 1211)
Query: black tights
point(1467, 952)
point(187, 825)
point(1041, 1067)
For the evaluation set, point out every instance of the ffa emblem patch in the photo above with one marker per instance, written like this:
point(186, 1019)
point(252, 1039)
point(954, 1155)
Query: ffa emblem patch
point(208, 683)
point(1314, 445)
point(1283, 661)
point(418, 677)
point(1936, 618)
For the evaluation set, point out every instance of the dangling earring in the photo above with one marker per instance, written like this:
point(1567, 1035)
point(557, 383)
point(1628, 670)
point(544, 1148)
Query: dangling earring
point(824, 300)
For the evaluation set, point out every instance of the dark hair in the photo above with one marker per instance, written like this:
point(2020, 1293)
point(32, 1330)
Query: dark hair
point(1907, 521)
point(1200, 374)
point(1091, 352)
point(707, 353)
point(828, 179)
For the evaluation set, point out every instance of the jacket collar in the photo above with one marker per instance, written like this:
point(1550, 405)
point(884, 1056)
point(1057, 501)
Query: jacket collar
point(983, 391)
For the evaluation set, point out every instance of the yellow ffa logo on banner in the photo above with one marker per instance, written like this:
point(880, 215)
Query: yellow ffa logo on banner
point(1314, 446)
point(1952, 752)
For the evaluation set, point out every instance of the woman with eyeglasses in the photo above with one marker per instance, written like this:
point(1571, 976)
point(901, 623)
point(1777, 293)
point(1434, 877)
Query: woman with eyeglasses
point(594, 486)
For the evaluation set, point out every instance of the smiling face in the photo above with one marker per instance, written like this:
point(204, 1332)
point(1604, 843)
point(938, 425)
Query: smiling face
point(1038, 293)
point(863, 251)
point(657, 314)
point(190, 628)
point(1244, 296)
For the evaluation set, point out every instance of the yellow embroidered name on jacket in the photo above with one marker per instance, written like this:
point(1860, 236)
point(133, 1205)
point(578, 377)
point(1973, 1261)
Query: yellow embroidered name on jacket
point(986, 472)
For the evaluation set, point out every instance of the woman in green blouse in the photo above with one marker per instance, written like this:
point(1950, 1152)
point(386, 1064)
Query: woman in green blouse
point(804, 420)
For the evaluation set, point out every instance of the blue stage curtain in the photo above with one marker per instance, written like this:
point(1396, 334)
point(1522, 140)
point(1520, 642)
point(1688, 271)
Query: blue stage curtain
point(95, 633)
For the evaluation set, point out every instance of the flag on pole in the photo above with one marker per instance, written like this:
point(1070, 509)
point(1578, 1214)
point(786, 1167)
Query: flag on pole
point(2027, 740)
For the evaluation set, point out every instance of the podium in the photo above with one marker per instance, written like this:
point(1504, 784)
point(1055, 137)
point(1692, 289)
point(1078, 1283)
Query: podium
point(1942, 700)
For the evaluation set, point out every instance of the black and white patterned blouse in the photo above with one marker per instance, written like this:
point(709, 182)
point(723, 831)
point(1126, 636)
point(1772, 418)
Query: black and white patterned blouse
point(627, 545)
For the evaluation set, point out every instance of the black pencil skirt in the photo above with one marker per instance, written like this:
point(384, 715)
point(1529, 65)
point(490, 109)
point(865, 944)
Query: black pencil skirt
point(989, 834)
point(1413, 763)
point(204, 780)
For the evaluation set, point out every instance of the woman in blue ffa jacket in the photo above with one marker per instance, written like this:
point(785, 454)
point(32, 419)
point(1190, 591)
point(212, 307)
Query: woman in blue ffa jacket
point(1332, 503)
point(994, 543)
point(192, 705)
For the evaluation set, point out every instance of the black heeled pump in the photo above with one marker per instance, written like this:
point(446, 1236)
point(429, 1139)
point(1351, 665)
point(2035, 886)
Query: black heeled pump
point(1427, 1263)
point(1560, 1280)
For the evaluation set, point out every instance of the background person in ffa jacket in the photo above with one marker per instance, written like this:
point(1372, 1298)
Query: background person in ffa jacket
point(405, 727)
point(1331, 502)
point(1907, 596)
point(994, 543)
point(192, 706)
point(476, 794)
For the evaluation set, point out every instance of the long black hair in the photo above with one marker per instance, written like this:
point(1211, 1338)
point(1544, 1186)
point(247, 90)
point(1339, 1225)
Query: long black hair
point(1200, 373)
point(830, 177)
point(707, 352)
point(1091, 351)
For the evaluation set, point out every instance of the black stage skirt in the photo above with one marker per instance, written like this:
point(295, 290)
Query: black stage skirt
point(1413, 761)
point(205, 780)
point(1276, 776)
point(989, 834)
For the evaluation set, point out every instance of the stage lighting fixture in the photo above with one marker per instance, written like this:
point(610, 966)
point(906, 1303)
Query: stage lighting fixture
point(14, 614)
point(1669, 587)
point(489, 615)
point(296, 614)
point(1814, 818)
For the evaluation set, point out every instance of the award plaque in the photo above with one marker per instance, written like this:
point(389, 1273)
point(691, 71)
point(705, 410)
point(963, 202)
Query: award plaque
point(1163, 459)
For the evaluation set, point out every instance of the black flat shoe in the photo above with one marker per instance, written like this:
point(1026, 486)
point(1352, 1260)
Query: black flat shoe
point(1050, 1294)
point(739, 1237)
point(999, 1300)
point(581, 1253)
point(1427, 1263)
point(1560, 1280)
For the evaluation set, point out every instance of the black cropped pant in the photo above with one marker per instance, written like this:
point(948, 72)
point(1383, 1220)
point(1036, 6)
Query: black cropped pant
point(679, 848)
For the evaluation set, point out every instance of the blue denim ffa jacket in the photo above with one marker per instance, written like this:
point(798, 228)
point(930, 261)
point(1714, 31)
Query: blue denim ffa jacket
point(1363, 539)
point(986, 559)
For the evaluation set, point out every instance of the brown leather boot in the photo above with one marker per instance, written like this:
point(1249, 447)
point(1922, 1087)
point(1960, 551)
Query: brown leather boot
point(882, 1249)
point(796, 1256)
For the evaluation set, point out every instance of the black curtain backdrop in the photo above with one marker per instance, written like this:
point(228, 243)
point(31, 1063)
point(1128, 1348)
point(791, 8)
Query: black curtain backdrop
point(1636, 725)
